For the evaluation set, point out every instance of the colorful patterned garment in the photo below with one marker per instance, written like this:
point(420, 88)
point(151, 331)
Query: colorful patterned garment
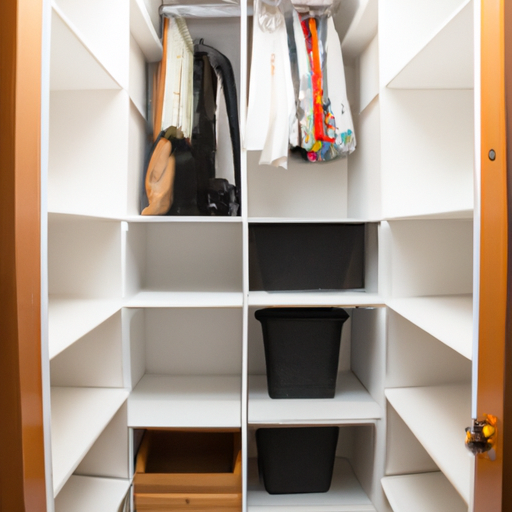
point(321, 138)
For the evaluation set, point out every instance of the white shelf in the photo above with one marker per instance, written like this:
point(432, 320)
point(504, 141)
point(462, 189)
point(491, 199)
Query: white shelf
point(308, 220)
point(437, 416)
point(351, 405)
point(143, 31)
point(69, 319)
point(86, 494)
point(343, 299)
point(178, 218)
point(345, 494)
point(447, 318)
point(441, 215)
point(154, 299)
point(185, 401)
point(79, 416)
point(73, 64)
point(424, 492)
point(446, 62)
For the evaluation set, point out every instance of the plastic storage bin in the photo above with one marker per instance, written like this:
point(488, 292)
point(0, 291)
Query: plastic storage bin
point(296, 460)
point(306, 256)
point(302, 347)
point(186, 469)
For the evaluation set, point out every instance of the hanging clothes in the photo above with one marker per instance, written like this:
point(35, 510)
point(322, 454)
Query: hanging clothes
point(271, 112)
point(337, 91)
point(177, 110)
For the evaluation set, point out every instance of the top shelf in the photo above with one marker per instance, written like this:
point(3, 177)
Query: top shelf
point(446, 61)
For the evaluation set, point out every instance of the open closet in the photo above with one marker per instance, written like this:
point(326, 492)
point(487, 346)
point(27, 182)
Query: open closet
point(151, 319)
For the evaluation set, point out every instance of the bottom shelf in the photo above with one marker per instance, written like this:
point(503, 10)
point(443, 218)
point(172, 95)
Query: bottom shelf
point(88, 493)
point(345, 494)
point(424, 492)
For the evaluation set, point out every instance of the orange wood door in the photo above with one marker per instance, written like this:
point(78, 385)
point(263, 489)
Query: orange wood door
point(22, 469)
point(492, 490)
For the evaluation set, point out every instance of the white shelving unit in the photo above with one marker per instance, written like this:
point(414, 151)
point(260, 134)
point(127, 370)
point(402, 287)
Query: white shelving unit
point(151, 319)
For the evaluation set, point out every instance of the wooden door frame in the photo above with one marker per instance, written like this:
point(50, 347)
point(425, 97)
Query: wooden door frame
point(22, 471)
point(494, 382)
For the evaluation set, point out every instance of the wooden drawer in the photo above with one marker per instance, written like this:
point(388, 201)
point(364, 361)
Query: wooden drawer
point(189, 471)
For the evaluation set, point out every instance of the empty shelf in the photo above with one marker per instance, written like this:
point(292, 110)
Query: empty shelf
point(447, 318)
point(343, 299)
point(351, 405)
point(86, 494)
point(79, 416)
point(185, 401)
point(144, 32)
point(345, 494)
point(446, 61)
point(73, 64)
point(155, 299)
point(424, 492)
point(437, 416)
point(70, 319)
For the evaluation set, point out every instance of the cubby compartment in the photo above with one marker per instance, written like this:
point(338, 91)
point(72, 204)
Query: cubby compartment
point(308, 263)
point(184, 263)
point(303, 191)
point(429, 258)
point(72, 64)
point(355, 400)
point(418, 181)
point(427, 41)
point(103, 26)
point(186, 468)
point(346, 491)
point(84, 274)
point(186, 366)
point(82, 418)
point(95, 360)
point(88, 155)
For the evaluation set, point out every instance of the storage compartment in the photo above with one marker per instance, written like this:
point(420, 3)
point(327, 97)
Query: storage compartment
point(296, 460)
point(302, 347)
point(306, 256)
point(200, 470)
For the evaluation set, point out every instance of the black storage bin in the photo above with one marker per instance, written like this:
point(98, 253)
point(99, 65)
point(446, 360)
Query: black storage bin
point(302, 347)
point(296, 460)
point(306, 256)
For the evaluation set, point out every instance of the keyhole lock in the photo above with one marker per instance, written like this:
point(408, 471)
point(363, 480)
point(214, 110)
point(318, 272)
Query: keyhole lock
point(492, 155)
